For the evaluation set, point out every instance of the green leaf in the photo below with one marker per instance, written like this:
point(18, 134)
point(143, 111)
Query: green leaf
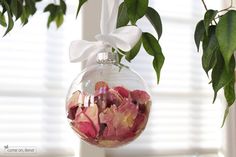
point(157, 64)
point(63, 6)
point(225, 116)
point(153, 48)
point(30, 5)
point(133, 53)
point(81, 2)
point(10, 20)
point(229, 92)
point(226, 35)
point(208, 18)
point(136, 9)
point(210, 46)
point(50, 8)
point(220, 76)
point(2, 20)
point(25, 15)
point(123, 18)
point(53, 11)
point(59, 20)
point(155, 19)
point(199, 33)
point(17, 8)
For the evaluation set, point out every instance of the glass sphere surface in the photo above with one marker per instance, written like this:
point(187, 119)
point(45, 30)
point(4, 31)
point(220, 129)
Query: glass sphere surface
point(108, 105)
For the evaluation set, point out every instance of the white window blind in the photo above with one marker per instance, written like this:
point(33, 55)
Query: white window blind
point(183, 122)
point(35, 75)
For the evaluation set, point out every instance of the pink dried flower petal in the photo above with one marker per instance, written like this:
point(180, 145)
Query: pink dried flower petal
point(139, 96)
point(88, 115)
point(113, 98)
point(122, 91)
point(119, 120)
point(92, 113)
point(87, 129)
point(107, 117)
point(139, 122)
point(73, 101)
point(71, 113)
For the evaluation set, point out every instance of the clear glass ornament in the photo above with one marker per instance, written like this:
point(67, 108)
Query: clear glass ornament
point(108, 105)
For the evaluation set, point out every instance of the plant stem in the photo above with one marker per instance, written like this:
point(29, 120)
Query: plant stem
point(204, 4)
point(230, 7)
point(225, 9)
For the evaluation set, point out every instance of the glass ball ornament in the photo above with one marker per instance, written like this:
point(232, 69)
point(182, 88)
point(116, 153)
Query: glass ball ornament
point(108, 105)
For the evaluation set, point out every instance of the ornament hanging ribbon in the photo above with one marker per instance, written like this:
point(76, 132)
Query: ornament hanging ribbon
point(123, 38)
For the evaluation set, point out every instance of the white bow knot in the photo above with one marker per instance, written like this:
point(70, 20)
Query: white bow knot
point(123, 38)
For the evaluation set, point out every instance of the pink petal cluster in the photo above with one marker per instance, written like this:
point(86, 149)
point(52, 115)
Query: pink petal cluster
point(113, 117)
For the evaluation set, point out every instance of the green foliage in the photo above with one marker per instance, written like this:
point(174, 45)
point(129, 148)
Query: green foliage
point(218, 45)
point(81, 3)
point(123, 18)
point(155, 19)
point(199, 33)
point(208, 18)
point(153, 48)
point(130, 11)
point(210, 49)
point(2, 20)
point(136, 9)
point(56, 13)
point(226, 35)
point(133, 53)
point(6, 8)
point(23, 9)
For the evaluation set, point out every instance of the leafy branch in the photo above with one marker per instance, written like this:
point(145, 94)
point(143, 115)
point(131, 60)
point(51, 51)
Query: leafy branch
point(130, 11)
point(23, 9)
point(218, 40)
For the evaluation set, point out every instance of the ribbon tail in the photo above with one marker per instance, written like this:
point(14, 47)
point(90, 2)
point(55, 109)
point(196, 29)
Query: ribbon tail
point(81, 50)
point(109, 16)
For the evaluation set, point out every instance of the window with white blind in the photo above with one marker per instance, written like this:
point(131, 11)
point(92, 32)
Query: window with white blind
point(35, 75)
point(183, 122)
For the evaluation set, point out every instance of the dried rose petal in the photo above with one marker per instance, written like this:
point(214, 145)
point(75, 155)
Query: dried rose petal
point(101, 101)
point(92, 113)
point(107, 117)
point(71, 113)
point(140, 97)
point(87, 117)
point(119, 120)
point(113, 98)
point(73, 101)
point(122, 91)
point(86, 129)
point(101, 87)
point(139, 122)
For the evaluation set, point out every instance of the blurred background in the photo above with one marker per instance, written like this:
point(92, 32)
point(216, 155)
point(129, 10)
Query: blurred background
point(35, 74)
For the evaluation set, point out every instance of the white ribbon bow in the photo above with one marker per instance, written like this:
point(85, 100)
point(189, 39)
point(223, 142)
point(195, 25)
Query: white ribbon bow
point(123, 38)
